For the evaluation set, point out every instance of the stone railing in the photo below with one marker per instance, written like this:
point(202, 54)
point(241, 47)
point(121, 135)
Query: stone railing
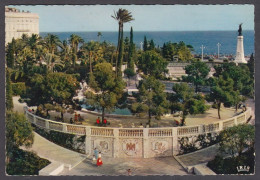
point(136, 142)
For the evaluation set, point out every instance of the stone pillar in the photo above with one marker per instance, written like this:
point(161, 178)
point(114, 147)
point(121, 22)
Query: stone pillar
point(235, 120)
point(175, 148)
point(34, 119)
point(240, 57)
point(64, 128)
point(201, 129)
point(220, 125)
point(47, 124)
point(116, 145)
point(146, 147)
point(88, 145)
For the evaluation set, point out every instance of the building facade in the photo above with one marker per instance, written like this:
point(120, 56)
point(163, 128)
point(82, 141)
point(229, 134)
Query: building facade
point(19, 22)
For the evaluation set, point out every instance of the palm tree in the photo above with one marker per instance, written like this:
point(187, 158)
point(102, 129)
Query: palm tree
point(93, 50)
point(74, 41)
point(51, 42)
point(33, 42)
point(122, 16)
point(99, 35)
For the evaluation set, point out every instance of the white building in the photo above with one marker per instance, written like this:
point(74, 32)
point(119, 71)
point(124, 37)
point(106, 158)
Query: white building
point(19, 22)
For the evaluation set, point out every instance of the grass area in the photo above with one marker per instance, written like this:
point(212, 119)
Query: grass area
point(25, 163)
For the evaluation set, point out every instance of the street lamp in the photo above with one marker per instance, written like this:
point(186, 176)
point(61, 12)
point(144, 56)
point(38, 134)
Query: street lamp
point(202, 47)
point(218, 48)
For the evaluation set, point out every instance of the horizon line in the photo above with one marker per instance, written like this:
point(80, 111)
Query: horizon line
point(148, 31)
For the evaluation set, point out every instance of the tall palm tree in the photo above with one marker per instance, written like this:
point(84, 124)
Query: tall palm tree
point(122, 16)
point(74, 41)
point(93, 50)
point(33, 42)
point(52, 42)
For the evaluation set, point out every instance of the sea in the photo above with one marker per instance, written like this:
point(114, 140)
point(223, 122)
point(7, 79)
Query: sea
point(209, 39)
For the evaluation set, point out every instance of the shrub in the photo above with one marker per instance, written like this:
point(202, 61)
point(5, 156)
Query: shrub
point(18, 88)
point(229, 165)
point(25, 163)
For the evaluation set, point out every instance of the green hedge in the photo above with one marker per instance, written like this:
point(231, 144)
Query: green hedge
point(25, 163)
point(229, 165)
point(18, 88)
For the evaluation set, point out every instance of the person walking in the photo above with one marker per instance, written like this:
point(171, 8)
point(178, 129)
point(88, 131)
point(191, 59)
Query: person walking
point(96, 153)
point(99, 160)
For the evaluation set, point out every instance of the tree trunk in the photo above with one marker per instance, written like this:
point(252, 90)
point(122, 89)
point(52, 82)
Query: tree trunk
point(236, 106)
point(149, 117)
point(61, 114)
point(183, 120)
point(219, 105)
point(103, 115)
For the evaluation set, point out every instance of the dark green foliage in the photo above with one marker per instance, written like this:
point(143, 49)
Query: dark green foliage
point(25, 163)
point(222, 92)
point(153, 64)
point(11, 53)
point(131, 52)
point(151, 98)
point(55, 87)
point(185, 100)
point(197, 73)
point(107, 87)
point(186, 146)
point(18, 132)
point(251, 65)
point(236, 139)
point(18, 88)
point(145, 46)
point(232, 143)
point(243, 82)
point(201, 141)
point(179, 50)
point(9, 92)
point(229, 165)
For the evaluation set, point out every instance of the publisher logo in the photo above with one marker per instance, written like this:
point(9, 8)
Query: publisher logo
point(243, 168)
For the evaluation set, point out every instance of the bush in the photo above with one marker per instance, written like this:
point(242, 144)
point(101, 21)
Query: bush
point(25, 163)
point(229, 165)
point(18, 88)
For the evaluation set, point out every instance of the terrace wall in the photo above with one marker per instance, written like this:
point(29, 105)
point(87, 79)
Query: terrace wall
point(135, 142)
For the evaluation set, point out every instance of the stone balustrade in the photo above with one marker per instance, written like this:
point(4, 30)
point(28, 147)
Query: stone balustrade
point(135, 142)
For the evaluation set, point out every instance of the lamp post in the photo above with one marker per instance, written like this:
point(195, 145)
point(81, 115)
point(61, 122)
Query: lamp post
point(202, 47)
point(218, 48)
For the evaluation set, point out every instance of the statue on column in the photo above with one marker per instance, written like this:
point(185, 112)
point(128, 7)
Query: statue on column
point(240, 30)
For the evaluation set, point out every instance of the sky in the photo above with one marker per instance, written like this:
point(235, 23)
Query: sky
point(71, 18)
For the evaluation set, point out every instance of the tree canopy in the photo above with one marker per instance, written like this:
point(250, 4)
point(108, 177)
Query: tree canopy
point(185, 100)
point(107, 88)
point(151, 98)
point(153, 64)
point(197, 73)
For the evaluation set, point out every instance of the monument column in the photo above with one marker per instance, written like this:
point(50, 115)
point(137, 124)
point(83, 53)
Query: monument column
point(240, 56)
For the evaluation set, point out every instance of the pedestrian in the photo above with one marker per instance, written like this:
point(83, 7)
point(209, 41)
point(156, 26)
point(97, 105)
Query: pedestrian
point(99, 160)
point(105, 122)
point(75, 117)
point(96, 153)
point(98, 121)
point(71, 121)
point(129, 172)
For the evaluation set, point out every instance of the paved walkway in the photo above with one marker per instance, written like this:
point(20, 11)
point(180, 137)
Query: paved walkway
point(138, 166)
point(55, 153)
